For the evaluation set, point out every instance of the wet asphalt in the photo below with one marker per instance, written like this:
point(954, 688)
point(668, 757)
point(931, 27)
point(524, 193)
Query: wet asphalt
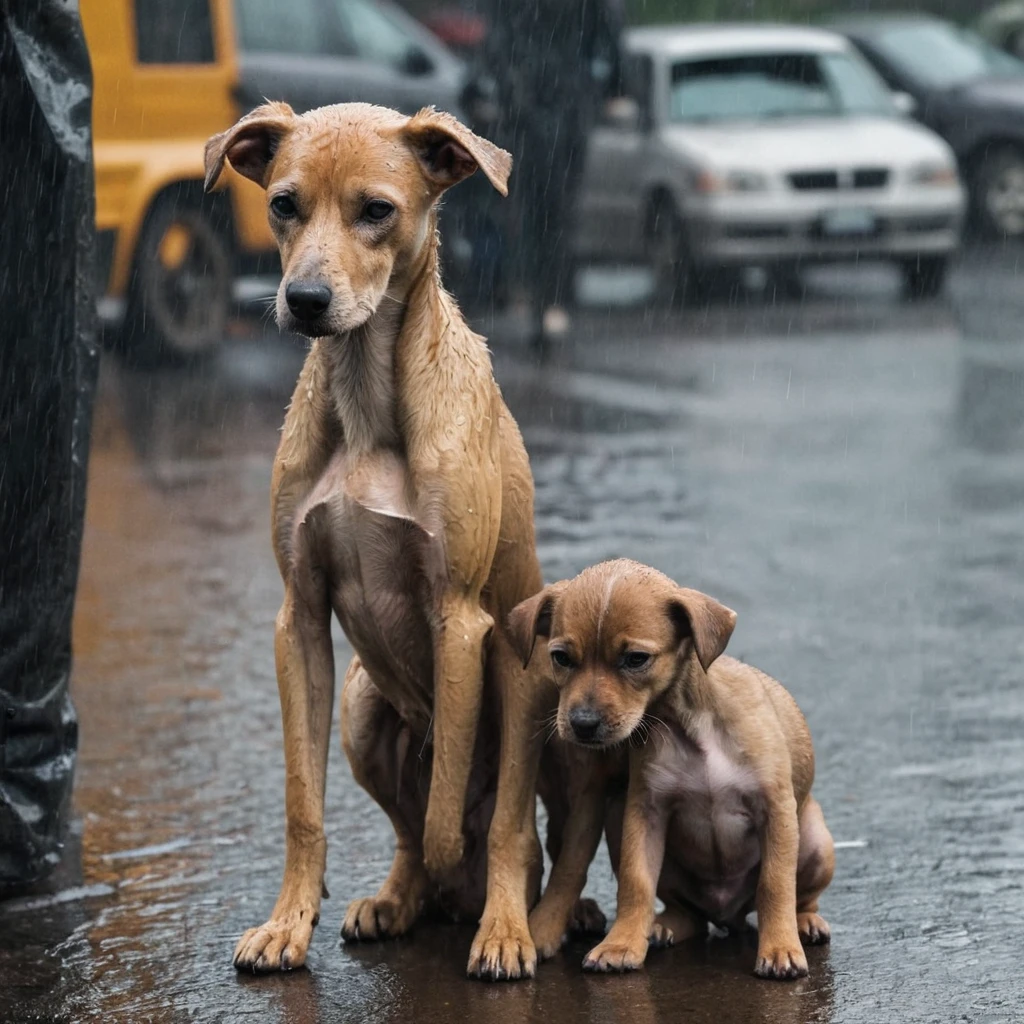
point(847, 472)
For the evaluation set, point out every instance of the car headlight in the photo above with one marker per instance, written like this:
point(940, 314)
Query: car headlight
point(710, 182)
point(746, 181)
point(934, 174)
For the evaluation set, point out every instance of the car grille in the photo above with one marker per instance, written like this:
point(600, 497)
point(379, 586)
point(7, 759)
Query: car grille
point(834, 181)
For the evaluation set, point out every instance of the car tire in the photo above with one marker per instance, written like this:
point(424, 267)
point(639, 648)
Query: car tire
point(924, 277)
point(999, 194)
point(180, 293)
point(677, 283)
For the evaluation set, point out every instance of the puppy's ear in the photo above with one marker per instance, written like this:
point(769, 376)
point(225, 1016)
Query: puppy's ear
point(250, 145)
point(448, 151)
point(704, 621)
point(530, 619)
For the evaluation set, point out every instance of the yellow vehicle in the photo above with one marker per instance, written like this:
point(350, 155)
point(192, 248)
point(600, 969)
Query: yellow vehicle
point(164, 74)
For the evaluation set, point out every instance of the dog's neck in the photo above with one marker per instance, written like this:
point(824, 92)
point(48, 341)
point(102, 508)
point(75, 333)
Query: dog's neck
point(690, 697)
point(361, 363)
point(361, 379)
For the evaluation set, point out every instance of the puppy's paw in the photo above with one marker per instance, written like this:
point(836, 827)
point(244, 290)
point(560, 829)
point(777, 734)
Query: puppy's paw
point(502, 951)
point(587, 918)
point(548, 929)
point(613, 955)
point(814, 929)
point(780, 961)
point(279, 945)
point(443, 847)
point(670, 927)
point(373, 918)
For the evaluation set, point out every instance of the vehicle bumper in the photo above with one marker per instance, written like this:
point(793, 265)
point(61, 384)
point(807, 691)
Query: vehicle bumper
point(742, 231)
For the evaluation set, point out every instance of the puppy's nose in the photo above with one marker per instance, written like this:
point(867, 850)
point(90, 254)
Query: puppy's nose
point(308, 300)
point(585, 722)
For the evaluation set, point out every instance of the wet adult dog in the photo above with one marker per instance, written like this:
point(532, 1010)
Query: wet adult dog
point(402, 500)
point(718, 817)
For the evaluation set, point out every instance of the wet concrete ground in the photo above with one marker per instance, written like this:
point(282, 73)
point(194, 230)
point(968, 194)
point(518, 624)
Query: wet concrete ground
point(847, 473)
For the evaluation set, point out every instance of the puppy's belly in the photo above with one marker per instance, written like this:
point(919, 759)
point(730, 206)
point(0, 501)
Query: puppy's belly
point(712, 860)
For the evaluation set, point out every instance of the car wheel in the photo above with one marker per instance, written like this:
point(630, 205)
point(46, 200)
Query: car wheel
point(999, 194)
point(924, 277)
point(677, 282)
point(180, 294)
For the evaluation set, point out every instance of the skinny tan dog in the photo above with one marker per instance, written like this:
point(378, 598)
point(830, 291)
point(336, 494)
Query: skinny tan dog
point(718, 817)
point(402, 500)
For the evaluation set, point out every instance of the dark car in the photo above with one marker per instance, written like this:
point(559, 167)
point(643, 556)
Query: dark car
point(967, 90)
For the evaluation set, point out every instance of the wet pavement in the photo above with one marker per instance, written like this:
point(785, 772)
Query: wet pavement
point(846, 472)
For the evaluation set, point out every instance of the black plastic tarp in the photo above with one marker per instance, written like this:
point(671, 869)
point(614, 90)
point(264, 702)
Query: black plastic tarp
point(47, 377)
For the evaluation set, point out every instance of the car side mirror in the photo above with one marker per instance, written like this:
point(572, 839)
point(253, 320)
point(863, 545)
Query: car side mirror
point(623, 113)
point(905, 103)
point(416, 62)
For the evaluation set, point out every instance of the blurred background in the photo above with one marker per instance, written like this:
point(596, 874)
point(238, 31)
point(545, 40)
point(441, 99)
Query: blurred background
point(756, 302)
point(698, 154)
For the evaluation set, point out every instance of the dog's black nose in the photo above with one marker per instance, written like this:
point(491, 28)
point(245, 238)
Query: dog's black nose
point(585, 722)
point(308, 300)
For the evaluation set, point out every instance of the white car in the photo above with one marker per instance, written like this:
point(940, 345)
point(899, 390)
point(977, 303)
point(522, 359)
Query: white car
point(768, 146)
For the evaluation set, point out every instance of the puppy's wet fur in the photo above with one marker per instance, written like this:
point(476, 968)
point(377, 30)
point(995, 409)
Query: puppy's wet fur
point(718, 818)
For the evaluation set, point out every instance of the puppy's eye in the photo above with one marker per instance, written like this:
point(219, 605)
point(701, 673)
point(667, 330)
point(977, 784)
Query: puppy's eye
point(377, 210)
point(635, 659)
point(561, 658)
point(284, 207)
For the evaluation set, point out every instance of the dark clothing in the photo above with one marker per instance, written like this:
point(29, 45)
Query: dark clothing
point(549, 66)
point(47, 376)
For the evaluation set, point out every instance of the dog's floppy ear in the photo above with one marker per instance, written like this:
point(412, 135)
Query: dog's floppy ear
point(448, 151)
point(250, 145)
point(530, 619)
point(704, 621)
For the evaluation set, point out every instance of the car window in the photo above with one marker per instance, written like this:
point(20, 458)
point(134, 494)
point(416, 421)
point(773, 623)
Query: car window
point(759, 86)
point(300, 27)
point(174, 32)
point(373, 35)
point(943, 55)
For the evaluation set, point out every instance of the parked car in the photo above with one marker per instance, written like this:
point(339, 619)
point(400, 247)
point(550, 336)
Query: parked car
point(1003, 26)
point(967, 90)
point(770, 146)
point(311, 53)
point(164, 72)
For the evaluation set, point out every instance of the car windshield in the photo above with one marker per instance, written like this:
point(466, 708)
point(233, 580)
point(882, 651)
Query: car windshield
point(753, 87)
point(943, 55)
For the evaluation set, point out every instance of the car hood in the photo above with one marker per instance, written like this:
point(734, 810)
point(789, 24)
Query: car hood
point(793, 144)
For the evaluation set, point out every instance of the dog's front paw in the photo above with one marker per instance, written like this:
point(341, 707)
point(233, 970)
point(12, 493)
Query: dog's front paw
point(814, 929)
point(548, 930)
point(279, 945)
point(502, 951)
point(443, 847)
point(780, 961)
point(616, 955)
point(587, 918)
point(373, 918)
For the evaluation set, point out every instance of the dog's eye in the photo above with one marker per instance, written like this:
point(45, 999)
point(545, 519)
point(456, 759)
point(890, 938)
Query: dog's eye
point(561, 658)
point(377, 210)
point(283, 207)
point(635, 659)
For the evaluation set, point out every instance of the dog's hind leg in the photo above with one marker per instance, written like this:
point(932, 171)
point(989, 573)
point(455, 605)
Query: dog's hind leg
point(377, 743)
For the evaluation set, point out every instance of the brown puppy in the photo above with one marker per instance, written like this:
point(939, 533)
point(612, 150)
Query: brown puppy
point(719, 817)
point(402, 501)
